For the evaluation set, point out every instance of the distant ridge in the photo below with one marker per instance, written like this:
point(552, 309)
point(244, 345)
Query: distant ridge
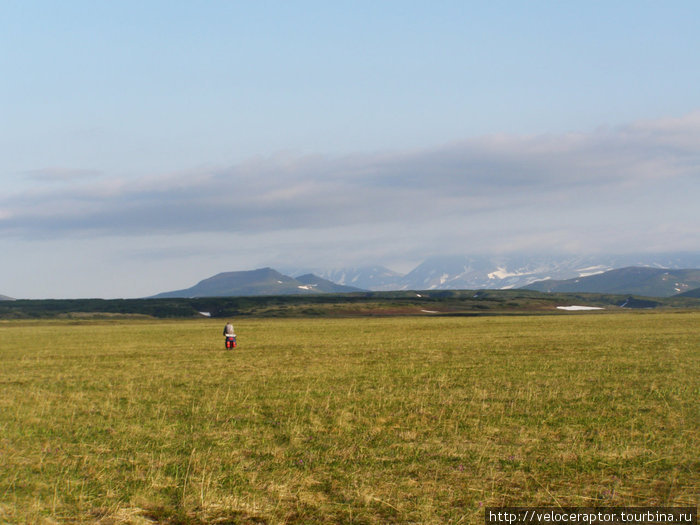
point(469, 272)
point(6, 298)
point(454, 273)
point(650, 282)
point(263, 281)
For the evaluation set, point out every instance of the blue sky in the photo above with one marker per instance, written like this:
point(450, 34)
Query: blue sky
point(148, 145)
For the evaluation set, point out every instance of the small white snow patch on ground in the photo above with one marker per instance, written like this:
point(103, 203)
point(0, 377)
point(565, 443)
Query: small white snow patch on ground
point(573, 308)
point(205, 314)
point(305, 287)
point(430, 311)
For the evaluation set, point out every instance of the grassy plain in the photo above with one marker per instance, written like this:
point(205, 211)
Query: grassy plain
point(391, 420)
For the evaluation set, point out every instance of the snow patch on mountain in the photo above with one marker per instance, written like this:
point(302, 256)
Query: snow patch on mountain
point(593, 270)
point(502, 273)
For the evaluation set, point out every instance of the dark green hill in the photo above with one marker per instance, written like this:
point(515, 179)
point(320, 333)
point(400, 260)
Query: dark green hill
point(649, 282)
point(264, 281)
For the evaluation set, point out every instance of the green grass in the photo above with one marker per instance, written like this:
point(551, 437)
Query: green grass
point(392, 420)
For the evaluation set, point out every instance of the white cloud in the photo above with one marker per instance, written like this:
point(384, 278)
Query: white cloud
point(496, 189)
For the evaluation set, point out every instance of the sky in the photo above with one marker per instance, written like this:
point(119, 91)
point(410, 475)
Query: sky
point(145, 146)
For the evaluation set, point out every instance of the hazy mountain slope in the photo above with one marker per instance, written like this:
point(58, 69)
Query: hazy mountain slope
point(376, 278)
point(318, 284)
point(651, 282)
point(691, 293)
point(6, 298)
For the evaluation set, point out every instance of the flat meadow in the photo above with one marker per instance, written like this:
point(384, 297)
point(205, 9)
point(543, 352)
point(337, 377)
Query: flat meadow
point(366, 420)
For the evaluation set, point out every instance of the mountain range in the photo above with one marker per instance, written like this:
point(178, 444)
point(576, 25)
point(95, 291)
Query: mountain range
point(497, 272)
point(651, 276)
point(646, 274)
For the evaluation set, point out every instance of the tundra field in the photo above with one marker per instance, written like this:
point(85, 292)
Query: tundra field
point(367, 420)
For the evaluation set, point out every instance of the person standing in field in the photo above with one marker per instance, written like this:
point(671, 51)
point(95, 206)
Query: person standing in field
point(230, 336)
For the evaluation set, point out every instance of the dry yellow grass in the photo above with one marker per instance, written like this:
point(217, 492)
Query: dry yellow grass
point(404, 420)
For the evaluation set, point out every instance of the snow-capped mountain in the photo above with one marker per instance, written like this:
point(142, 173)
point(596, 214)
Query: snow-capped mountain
point(499, 272)
point(493, 272)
